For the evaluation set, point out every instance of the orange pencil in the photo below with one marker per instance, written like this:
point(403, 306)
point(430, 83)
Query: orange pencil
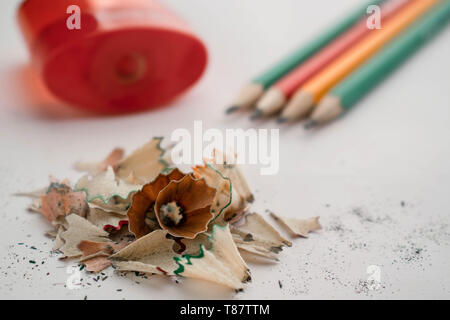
point(312, 91)
point(278, 94)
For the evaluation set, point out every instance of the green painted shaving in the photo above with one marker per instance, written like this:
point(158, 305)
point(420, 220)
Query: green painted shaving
point(165, 170)
point(98, 196)
point(163, 151)
point(188, 257)
point(231, 188)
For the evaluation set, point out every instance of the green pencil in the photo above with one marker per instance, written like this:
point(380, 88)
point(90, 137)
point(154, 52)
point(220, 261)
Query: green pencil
point(346, 94)
point(252, 91)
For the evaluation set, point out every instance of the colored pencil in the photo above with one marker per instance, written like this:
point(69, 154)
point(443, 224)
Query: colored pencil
point(345, 95)
point(274, 99)
point(250, 93)
point(311, 92)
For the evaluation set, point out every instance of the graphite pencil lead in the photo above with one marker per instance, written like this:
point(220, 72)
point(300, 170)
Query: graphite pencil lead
point(281, 120)
point(256, 115)
point(231, 109)
point(310, 124)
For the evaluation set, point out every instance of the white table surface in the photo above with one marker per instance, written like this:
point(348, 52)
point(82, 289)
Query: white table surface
point(394, 147)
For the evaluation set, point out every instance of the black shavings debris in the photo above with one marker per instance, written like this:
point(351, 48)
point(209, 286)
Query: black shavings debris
point(336, 225)
point(437, 232)
point(290, 283)
point(333, 278)
point(280, 284)
point(368, 286)
point(410, 252)
point(358, 245)
point(364, 216)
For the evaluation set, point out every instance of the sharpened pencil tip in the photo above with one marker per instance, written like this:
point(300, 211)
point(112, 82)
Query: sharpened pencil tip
point(282, 120)
point(310, 124)
point(231, 109)
point(256, 115)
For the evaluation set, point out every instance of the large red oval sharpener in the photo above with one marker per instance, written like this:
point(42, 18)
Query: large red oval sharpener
point(126, 56)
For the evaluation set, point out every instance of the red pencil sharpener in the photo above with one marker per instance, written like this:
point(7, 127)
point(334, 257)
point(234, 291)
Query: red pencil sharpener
point(111, 56)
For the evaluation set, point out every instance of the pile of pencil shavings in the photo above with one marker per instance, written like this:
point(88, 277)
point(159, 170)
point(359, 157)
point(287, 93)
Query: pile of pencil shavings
point(141, 214)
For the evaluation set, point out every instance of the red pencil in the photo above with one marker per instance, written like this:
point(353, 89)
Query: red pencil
point(278, 94)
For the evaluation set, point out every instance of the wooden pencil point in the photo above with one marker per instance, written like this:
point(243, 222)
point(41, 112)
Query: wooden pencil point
point(247, 97)
point(299, 106)
point(328, 109)
point(250, 94)
point(271, 102)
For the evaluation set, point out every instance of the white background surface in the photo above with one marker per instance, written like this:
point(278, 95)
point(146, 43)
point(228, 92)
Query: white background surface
point(394, 147)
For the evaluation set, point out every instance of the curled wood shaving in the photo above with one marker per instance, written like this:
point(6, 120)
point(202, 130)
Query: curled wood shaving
point(111, 208)
point(106, 219)
point(152, 253)
point(36, 205)
point(95, 254)
point(61, 200)
point(195, 198)
point(192, 246)
point(97, 263)
point(221, 264)
point(298, 227)
point(95, 167)
point(226, 164)
point(224, 248)
point(104, 186)
point(224, 206)
point(144, 164)
point(115, 204)
point(52, 233)
point(79, 229)
point(261, 232)
point(59, 242)
point(58, 199)
point(257, 250)
point(254, 248)
point(141, 212)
